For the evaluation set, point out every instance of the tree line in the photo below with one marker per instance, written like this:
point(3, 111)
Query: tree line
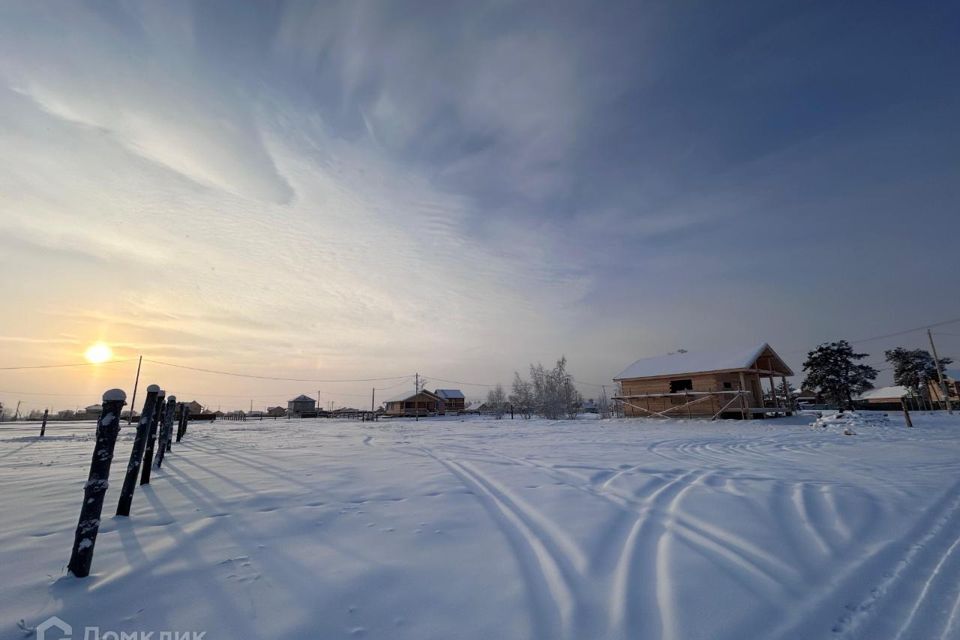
point(549, 393)
point(834, 371)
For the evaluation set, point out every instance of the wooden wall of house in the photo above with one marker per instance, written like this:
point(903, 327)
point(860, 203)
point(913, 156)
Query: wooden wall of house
point(701, 383)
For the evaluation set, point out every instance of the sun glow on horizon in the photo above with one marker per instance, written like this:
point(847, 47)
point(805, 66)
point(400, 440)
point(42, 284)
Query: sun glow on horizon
point(98, 352)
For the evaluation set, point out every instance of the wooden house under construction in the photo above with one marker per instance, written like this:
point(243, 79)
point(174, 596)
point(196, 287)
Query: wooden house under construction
point(725, 383)
point(423, 403)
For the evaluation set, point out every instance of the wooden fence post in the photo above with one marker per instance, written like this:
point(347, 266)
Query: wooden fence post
point(165, 429)
point(906, 413)
point(108, 426)
point(136, 454)
point(43, 426)
point(151, 439)
point(179, 418)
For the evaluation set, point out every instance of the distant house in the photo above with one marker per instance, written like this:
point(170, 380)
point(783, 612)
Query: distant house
point(302, 405)
point(276, 412)
point(451, 400)
point(93, 410)
point(423, 403)
point(195, 407)
point(882, 398)
point(725, 382)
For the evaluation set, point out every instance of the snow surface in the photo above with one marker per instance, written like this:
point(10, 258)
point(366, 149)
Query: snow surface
point(725, 359)
point(480, 529)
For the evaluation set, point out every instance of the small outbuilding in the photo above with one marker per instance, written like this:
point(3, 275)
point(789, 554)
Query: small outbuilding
point(721, 383)
point(302, 405)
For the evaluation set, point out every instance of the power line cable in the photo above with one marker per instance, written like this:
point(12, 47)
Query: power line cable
point(61, 366)
point(906, 331)
point(466, 384)
point(259, 377)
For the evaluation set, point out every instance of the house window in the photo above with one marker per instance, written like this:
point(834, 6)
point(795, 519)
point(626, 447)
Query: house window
point(676, 386)
point(728, 385)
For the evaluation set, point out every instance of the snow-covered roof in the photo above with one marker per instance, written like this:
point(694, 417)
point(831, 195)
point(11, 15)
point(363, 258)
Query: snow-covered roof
point(450, 394)
point(729, 359)
point(883, 393)
point(410, 396)
point(302, 398)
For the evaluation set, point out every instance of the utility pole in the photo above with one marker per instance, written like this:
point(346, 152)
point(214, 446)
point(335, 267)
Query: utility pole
point(943, 384)
point(373, 395)
point(136, 382)
point(416, 392)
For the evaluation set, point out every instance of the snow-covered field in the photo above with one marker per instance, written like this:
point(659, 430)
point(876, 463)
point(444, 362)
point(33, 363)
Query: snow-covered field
point(483, 529)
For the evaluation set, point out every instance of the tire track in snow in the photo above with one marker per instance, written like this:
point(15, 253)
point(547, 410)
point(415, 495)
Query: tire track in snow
point(551, 597)
point(922, 597)
point(707, 538)
point(830, 500)
point(952, 620)
point(627, 580)
point(803, 503)
point(886, 568)
point(915, 560)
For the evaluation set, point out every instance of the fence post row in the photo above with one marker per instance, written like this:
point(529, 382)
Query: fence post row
point(108, 426)
point(136, 455)
point(165, 428)
point(151, 439)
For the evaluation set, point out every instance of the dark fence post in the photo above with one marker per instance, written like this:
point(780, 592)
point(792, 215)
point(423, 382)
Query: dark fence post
point(906, 413)
point(136, 455)
point(43, 427)
point(173, 417)
point(151, 439)
point(186, 418)
point(165, 429)
point(108, 426)
point(181, 415)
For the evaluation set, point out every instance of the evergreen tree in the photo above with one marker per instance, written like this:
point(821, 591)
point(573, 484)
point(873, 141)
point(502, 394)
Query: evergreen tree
point(832, 369)
point(915, 369)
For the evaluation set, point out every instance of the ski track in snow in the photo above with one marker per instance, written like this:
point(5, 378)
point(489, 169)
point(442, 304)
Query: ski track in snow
point(609, 530)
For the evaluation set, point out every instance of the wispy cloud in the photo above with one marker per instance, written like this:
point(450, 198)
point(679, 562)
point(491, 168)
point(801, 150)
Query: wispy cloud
point(352, 186)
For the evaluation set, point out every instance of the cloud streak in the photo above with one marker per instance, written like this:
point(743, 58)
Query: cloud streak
point(351, 187)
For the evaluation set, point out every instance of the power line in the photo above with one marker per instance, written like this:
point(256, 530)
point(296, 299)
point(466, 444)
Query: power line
point(888, 335)
point(466, 384)
point(906, 331)
point(259, 377)
point(64, 395)
point(60, 366)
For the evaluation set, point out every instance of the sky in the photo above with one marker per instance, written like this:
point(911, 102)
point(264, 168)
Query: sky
point(358, 190)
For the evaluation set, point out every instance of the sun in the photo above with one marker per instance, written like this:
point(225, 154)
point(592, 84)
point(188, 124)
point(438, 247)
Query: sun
point(98, 352)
